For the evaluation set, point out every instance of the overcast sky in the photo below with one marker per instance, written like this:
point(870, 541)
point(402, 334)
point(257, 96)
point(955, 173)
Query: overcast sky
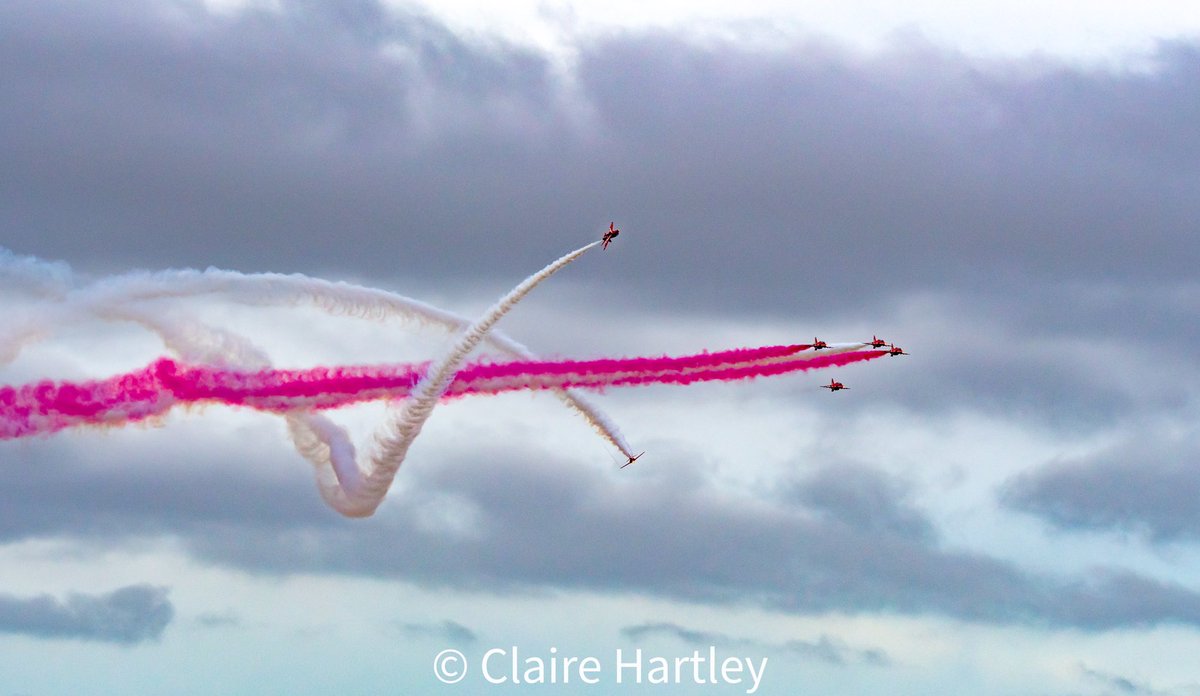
point(1008, 193)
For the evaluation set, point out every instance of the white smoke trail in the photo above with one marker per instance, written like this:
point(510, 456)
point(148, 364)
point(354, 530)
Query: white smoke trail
point(32, 276)
point(341, 299)
point(318, 439)
point(35, 279)
point(394, 441)
point(336, 298)
point(343, 484)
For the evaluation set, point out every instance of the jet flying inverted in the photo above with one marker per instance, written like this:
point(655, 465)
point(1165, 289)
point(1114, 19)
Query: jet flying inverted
point(610, 235)
point(632, 460)
point(834, 385)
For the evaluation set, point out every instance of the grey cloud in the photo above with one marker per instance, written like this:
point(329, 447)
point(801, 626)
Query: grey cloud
point(153, 122)
point(226, 619)
point(1118, 684)
point(117, 493)
point(1149, 487)
point(865, 499)
point(835, 651)
point(640, 631)
point(826, 648)
point(913, 169)
point(529, 520)
point(350, 136)
point(544, 524)
point(129, 615)
point(447, 630)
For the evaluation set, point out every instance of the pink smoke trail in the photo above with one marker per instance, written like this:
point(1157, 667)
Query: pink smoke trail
point(47, 407)
point(120, 297)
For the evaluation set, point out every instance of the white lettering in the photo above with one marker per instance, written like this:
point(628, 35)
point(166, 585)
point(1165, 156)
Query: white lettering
point(487, 656)
point(756, 676)
point(660, 671)
point(732, 665)
point(622, 666)
point(590, 666)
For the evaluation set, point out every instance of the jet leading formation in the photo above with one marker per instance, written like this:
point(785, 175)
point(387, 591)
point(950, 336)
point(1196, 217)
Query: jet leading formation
point(875, 342)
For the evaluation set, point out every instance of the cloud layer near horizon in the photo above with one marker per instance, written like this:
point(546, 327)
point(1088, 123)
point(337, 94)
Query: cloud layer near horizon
point(842, 539)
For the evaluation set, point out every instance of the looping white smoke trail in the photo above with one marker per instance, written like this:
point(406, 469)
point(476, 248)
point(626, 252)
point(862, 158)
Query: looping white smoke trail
point(343, 484)
point(394, 441)
point(318, 439)
point(336, 298)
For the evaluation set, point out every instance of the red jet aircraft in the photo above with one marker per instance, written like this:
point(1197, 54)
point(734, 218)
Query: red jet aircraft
point(897, 351)
point(876, 342)
point(632, 460)
point(610, 235)
point(834, 386)
point(818, 344)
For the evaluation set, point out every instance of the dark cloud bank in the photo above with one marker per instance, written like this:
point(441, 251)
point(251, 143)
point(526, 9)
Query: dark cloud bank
point(1150, 487)
point(845, 541)
point(129, 615)
point(346, 137)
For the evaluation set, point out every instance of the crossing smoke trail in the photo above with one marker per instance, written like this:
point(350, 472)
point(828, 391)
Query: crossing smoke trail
point(396, 437)
point(47, 407)
point(113, 298)
point(353, 490)
point(215, 365)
